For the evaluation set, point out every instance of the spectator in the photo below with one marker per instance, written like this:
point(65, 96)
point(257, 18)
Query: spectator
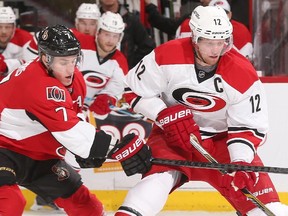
point(164, 24)
point(12, 40)
point(104, 65)
point(206, 90)
point(136, 41)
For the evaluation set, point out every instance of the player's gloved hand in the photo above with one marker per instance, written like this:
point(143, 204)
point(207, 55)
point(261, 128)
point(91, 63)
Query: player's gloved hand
point(240, 179)
point(100, 106)
point(177, 123)
point(3, 66)
point(90, 162)
point(133, 154)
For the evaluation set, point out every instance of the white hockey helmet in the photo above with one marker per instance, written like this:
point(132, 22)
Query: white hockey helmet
point(88, 11)
point(7, 15)
point(210, 22)
point(111, 22)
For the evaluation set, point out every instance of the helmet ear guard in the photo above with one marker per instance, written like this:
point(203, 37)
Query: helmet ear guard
point(211, 22)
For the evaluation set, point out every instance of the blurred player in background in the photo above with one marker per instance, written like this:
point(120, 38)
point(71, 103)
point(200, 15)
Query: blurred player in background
point(12, 40)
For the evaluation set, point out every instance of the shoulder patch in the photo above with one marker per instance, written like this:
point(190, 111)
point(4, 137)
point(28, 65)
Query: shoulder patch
point(55, 93)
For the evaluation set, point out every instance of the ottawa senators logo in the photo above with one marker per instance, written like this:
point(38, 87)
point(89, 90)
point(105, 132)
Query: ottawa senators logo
point(198, 100)
point(55, 93)
point(61, 172)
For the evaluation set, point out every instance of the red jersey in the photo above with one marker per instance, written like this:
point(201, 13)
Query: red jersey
point(39, 114)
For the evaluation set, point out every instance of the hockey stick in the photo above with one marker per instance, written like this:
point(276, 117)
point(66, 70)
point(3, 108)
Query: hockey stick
point(123, 110)
point(245, 191)
point(218, 166)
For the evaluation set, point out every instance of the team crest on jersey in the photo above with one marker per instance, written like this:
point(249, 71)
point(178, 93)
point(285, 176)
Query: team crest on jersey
point(61, 172)
point(95, 79)
point(198, 100)
point(55, 93)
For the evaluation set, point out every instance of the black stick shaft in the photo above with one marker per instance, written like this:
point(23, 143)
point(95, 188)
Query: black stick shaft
point(219, 166)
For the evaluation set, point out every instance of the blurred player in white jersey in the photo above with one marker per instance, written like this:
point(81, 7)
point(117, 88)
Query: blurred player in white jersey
point(201, 86)
point(12, 40)
point(86, 21)
point(104, 65)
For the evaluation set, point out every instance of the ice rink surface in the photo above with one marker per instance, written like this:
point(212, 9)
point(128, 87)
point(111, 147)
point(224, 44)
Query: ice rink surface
point(170, 213)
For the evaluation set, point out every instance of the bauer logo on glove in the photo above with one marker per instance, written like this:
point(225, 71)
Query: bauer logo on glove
point(175, 117)
point(130, 150)
point(133, 153)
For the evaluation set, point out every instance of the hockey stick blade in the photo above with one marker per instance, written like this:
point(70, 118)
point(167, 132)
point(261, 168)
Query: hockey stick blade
point(218, 166)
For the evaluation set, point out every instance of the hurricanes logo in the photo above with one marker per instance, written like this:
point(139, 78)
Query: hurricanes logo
point(197, 100)
point(94, 79)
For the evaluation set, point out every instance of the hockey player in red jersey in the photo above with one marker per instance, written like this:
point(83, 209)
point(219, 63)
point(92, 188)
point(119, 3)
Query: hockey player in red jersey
point(38, 107)
point(12, 40)
point(201, 86)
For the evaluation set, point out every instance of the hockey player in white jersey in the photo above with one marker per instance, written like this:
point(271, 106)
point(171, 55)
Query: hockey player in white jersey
point(104, 65)
point(200, 86)
point(86, 19)
point(12, 40)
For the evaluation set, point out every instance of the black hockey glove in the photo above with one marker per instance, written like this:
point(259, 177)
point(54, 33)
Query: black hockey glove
point(90, 162)
point(133, 154)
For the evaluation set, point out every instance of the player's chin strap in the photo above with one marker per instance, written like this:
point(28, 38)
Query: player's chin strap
point(245, 191)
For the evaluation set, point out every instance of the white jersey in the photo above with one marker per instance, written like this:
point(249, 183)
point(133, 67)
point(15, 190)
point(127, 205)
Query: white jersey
point(30, 49)
point(102, 76)
point(231, 99)
point(13, 53)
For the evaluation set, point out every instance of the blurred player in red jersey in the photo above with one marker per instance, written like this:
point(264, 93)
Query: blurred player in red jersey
point(12, 40)
point(41, 122)
point(202, 86)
